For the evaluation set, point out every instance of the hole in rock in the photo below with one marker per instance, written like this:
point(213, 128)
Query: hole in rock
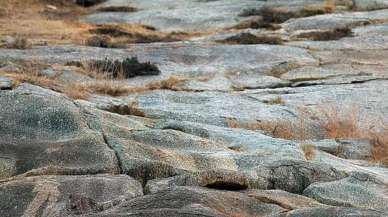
point(230, 186)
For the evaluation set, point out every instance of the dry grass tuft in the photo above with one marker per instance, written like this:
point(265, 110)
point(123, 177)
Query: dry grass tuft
point(336, 124)
point(308, 150)
point(112, 88)
point(277, 129)
point(29, 73)
point(38, 22)
point(56, 22)
point(379, 142)
point(345, 125)
point(168, 84)
point(339, 124)
point(76, 91)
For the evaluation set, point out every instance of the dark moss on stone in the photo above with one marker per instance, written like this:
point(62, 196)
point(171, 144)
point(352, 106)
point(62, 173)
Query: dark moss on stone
point(249, 38)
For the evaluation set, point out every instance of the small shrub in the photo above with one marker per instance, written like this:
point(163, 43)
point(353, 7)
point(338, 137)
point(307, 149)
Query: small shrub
point(111, 30)
point(248, 38)
point(127, 68)
point(15, 43)
point(99, 41)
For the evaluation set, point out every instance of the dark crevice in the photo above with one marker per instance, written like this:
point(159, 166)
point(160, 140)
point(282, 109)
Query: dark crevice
point(229, 186)
point(105, 139)
point(116, 154)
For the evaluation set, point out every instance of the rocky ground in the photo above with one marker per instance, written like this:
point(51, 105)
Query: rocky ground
point(235, 108)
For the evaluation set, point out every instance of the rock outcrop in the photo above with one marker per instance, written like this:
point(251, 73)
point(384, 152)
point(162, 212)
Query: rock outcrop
point(206, 126)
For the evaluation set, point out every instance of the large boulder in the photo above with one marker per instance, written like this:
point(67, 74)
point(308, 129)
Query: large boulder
point(65, 195)
point(194, 201)
point(360, 190)
point(295, 176)
point(48, 134)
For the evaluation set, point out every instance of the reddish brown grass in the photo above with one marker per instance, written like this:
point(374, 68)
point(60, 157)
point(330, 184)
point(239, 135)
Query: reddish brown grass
point(278, 129)
point(341, 124)
point(345, 125)
point(336, 123)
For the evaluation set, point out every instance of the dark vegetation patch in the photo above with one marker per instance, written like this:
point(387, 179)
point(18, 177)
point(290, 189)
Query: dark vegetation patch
point(229, 186)
point(88, 3)
point(270, 16)
point(100, 41)
point(249, 38)
point(15, 43)
point(327, 35)
point(111, 30)
point(127, 68)
point(256, 23)
point(115, 36)
point(117, 9)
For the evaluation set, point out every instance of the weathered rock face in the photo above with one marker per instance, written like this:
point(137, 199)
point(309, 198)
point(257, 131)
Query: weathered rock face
point(224, 130)
point(332, 211)
point(48, 133)
point(294, 176)
point(176, 15)
point(65, 195)
point(359, 190)
point(189, 201)
point(5, 83)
